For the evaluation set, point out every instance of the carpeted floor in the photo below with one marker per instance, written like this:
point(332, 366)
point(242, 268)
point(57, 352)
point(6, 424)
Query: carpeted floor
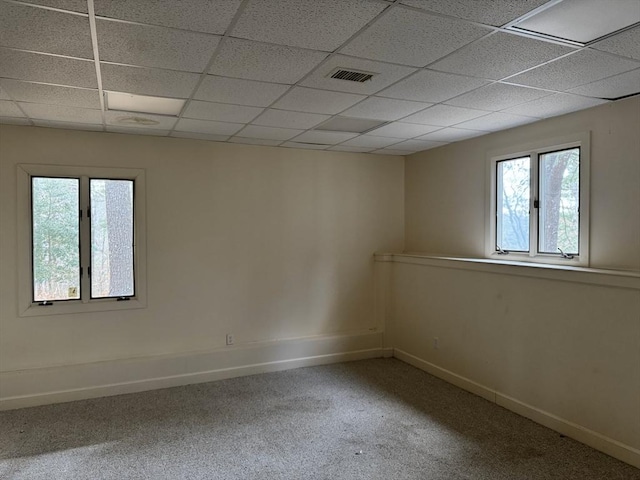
point(373, 419)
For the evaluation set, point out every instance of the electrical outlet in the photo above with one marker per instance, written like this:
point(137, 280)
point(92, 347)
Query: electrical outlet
point(436, 343)
point(230, 339)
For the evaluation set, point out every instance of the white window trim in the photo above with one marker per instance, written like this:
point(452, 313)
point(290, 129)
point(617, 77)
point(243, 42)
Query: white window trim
point(581, 140)
point(26, 306)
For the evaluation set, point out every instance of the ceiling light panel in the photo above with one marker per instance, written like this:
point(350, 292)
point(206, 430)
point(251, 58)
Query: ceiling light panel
point(557, 104)
point(148, 81)
point(142, 103)
point(197, 15)
point(582, 20)
point(46, 68)
point(41, 30)
point(159, 47)
point(260, 61)
point(412, 38)
point(490, 12)
point(347, 124)
point(51, 94)
point(303, 99)
point(583, 67)
point(239, 92)
point(316, 24)
point(286, 119)
point(500, 55)
point(385, 108)
point(433, 87)
point(221, 112)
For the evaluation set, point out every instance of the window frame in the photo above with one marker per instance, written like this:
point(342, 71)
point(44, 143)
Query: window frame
point(26, 305)
point(533, 151)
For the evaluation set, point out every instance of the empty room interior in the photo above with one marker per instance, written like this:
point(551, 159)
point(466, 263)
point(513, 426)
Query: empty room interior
point(320, 239)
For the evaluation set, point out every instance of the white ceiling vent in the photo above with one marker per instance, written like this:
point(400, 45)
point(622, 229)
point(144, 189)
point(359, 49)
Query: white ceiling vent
point(136, 121)
point(351, 75)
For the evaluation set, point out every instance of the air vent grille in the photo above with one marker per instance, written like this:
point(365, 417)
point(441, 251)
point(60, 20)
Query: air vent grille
point(351, 75)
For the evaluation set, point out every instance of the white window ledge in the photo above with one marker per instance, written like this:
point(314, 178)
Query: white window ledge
point(564, 273)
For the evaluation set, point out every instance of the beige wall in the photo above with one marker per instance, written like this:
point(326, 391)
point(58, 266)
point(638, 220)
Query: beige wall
point(445, 187)
point(265, 243)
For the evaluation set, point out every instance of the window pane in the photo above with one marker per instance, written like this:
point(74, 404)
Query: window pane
point(559, 201)
point(111, 238)
point(55, 207)
point(512, 204)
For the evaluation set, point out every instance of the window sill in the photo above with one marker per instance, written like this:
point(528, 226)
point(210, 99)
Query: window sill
point(566, 273)
point(68, 308)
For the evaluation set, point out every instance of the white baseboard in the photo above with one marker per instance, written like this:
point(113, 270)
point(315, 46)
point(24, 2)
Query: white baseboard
point(43, 386)
point(584, 435)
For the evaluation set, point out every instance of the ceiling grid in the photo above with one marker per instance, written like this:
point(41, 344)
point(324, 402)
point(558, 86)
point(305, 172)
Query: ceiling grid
point(259, 71)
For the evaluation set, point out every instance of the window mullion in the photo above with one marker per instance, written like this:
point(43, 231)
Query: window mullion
point(85, 239)
point(534, 212)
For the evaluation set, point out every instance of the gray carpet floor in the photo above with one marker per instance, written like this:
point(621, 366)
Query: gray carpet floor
point(373, 419)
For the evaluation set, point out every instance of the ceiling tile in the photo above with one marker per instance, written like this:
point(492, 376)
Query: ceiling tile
point(495, 121)
point(308, 146)
point(500, 55)
point(557, 104)
point(451, 135)
point(489, 12)
point(417, 145)
point(198, 15)
point(200, 136)
point(346, 148)
point(51, 94)
point(497, 97)
point(412, 38)
point(14, 121)
point(123, 120)
point(154, 46)
point(61, 113)
point(205, 126)
point(625, 44)
point(390, 151)
point(221, 112)
point(403, 130)
point(148, 81)
point(3, 93)
point(317, 24)
point(43, 30)
point(287, 119)
point(430, 86)
point(72, 5)
point(240, 92)
point(385, 108)
point(68, 125)
point(444, 115)
point(268, 63)
point(317, 101)
point(138, 131)
point(325, 138)
point(384, 75)
point(269, 133)
point(583, 67)
point(256, 141)
point(46, 68)
point(9, 109)
point(371, 141)
point(613, 87)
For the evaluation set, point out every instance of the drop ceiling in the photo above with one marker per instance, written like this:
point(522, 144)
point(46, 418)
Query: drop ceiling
point(258, 71)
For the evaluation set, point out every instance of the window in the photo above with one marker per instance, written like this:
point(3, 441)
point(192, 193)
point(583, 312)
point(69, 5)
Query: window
point(538, 203)
point(81, 245)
